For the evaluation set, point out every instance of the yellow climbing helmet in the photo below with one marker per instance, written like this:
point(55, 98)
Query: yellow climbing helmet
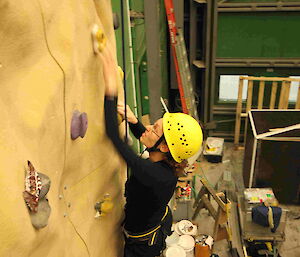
point(183, 135)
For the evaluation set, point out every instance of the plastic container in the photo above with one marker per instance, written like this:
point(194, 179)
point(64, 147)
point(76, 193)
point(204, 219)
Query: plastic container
point(187, 242)
point(185, 227)
point(202, 250)
point(172, 239)
point(174, 251)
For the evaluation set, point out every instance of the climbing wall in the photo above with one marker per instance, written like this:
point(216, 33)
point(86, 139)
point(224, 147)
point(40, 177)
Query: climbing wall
point(48, 70)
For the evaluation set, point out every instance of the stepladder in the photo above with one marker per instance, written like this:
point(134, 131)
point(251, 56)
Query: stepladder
point(220, 213)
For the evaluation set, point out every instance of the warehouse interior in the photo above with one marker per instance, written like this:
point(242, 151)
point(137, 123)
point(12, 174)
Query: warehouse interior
point(232, 65)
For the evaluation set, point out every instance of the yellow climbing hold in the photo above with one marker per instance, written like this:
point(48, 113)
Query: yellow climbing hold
point(106, 206)
point(120, 119)
point(99, 39)
point(121, 72)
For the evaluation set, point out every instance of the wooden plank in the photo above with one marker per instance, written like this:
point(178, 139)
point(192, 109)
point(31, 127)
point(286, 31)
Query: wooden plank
point(278, 131)
point(282, 95)
point(234, 224)
point(270, 78)
point(220, 231)
point(199, 207)
point(261, 94)
point(199, 64)
point(297, 106)
point(201, 1)
point(209, 206)
point(200, 194)
point(284, 139)
point(287, 94)
point(248, 106)
point(273, 94)
point(213, 193)
point(249, 96)
point(238, 113)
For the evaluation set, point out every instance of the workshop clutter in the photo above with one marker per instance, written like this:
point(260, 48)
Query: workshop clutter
point(203, 246)
point(183, 191)
point(183, 241)
point(213, 150)
point(264, 207)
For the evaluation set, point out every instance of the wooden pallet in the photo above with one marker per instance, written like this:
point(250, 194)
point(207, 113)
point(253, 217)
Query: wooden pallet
point(278, 84)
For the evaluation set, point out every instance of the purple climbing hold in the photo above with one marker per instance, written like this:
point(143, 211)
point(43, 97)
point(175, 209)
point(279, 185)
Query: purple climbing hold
point(75, 125)
point(79, 124)
point(84, 124)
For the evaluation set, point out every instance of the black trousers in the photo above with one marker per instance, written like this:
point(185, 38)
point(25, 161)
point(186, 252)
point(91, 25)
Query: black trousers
point(134, 248)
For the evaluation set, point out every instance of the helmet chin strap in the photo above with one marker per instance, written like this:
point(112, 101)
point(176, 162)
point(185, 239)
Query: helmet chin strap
point(154, 148)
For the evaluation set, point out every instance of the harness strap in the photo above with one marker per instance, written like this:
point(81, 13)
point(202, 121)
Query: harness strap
point(149, 235)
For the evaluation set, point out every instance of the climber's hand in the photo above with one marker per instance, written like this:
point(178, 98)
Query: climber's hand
point(130, 116)
point(109, 68)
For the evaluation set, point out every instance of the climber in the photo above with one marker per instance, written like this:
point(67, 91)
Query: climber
point(151, 184)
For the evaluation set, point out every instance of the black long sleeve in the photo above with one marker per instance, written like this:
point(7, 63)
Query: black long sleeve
point(151, 184)
point(137, 129)
point(144, 170)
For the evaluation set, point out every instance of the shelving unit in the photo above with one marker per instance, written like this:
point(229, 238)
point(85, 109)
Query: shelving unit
point(200, 63)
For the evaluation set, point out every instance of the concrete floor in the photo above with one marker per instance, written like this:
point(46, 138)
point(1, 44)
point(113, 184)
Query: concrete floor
point(232, 165)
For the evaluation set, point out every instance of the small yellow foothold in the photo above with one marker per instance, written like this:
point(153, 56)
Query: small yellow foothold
point(120, 119)
point(104, 207)
point(121, 72)
point(99, 39)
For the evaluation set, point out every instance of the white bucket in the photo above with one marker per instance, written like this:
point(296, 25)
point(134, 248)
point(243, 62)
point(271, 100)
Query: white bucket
point(185, 227)
point(172, 239)
point(187, 242)
point(174, 251)
point(190, 253)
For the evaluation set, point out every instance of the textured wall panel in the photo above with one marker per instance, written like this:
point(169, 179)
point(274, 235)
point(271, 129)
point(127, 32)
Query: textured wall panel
point(49, 70)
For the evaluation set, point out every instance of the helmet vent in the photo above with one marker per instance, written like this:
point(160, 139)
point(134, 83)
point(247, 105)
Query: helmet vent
point(178, 128)
point(183, 135)
point(182, 143)
point(187, 144)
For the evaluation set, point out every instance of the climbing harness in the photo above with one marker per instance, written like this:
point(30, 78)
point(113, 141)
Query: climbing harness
point(149, 235)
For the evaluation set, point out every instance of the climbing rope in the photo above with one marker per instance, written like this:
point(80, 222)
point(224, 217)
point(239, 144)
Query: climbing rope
point(124, 68)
